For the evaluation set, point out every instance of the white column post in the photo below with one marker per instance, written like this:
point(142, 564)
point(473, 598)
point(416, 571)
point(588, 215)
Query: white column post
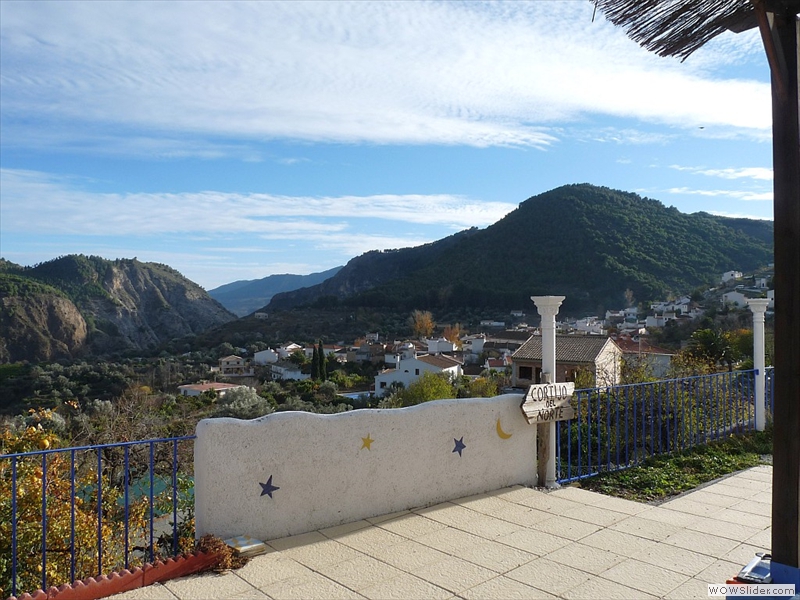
point(548, 309)
point(759, 306)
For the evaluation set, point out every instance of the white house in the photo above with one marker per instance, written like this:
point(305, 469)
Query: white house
point(288, 370)
point(473, 344)
point(266, 357)
point(196, 389)
point(497, 364)
point(659, 320)
point(637, 349)
point(436, 346)
point(287, 350)
point(590, 325)
point(401, 349)
point(490, 323)
point(731, 276)
point(328, 349)
point(737, 299)
point(407, 371)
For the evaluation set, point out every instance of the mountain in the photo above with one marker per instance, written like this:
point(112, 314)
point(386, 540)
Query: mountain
point(588, 243)
point(245, 297)
point(76, 305)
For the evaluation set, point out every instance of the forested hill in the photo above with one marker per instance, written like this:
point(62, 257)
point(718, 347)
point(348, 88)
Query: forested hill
point(77, 304)
point(585, 242)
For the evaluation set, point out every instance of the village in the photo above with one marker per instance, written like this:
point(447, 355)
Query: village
point(596, 346)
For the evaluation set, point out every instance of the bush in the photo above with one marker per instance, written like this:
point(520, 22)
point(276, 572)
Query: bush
point(243, 403)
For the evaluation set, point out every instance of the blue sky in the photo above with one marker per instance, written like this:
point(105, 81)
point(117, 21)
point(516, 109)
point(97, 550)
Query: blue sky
point(235, 140)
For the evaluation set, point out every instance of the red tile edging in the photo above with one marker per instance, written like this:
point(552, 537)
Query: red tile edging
point(93, 588)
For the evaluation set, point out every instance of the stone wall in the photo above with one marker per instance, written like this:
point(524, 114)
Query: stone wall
point(292, 472)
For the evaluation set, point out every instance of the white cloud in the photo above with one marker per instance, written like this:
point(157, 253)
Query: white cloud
point(228, 74)
point(737, 194)
point(65, 208)
point(757, 173)
point(738, 215)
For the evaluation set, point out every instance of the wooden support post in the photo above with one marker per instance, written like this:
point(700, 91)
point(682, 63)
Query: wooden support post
point(786, 166)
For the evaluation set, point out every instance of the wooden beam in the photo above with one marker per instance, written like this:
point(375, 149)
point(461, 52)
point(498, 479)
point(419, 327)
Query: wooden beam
point(775, 59)
point(786, 168)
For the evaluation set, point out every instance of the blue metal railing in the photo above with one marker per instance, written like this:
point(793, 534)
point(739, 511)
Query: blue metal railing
point(769, 394)
point(67, 508)
point(618, 427)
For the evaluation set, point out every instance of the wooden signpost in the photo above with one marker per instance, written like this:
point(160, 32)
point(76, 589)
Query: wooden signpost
point(548, 402)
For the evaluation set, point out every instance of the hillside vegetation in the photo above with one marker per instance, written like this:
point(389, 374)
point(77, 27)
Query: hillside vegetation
point(588, 243)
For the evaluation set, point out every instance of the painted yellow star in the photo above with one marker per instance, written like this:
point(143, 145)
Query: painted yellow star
point(366, 442)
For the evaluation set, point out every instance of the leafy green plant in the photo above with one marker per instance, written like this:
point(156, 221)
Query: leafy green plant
point(665, 475)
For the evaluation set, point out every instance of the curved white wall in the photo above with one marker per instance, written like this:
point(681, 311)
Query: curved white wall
point(292, 472)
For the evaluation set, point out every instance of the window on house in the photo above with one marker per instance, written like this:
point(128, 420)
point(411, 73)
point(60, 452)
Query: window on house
point(416, 371)
point(383, 384)
point(538, 375)
point(525, 372)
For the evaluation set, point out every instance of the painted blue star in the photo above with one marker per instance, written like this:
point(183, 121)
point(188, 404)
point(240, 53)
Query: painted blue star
point(268, 488)
point(459, 445)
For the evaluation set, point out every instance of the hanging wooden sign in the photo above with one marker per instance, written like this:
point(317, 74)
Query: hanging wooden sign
point(548, 402)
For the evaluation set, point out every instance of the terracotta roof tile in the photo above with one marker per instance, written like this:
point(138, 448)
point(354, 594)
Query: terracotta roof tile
point(569, 348)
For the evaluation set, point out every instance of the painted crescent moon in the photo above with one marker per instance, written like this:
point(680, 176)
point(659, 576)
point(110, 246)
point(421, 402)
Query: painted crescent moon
point(503, 435)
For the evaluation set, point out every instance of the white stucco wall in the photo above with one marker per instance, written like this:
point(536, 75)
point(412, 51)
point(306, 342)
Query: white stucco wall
point(323, 475)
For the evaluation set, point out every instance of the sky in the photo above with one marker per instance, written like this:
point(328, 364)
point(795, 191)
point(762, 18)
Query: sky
point(237, 140)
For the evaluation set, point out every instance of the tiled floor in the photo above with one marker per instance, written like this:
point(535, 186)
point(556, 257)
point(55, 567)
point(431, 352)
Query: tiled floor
point(513, 543)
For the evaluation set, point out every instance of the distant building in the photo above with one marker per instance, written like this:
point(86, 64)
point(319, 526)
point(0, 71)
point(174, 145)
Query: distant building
point(234, 366)
point(196, 389)
point(736, 299)
point(265, 357)
point(731, 276)
point(287, 370)
point(599, 355)
point(436, 346)
point(407, 371)
point(637, 348)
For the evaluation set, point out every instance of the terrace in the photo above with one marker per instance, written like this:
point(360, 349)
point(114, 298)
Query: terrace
point(429, 501)
point(515, 542)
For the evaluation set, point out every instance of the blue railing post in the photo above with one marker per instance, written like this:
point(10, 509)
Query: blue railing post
point(72, 515)
point(44, 521)
point(99, 511)
point(14, 526)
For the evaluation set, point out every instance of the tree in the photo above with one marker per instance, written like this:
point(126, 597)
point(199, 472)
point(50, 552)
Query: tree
point(430, 386)
point(323, 363)
point(452, 333)
point(315, 364)
point(422, 323)
point(629, 299)
point(712, 347)
point(483, 387)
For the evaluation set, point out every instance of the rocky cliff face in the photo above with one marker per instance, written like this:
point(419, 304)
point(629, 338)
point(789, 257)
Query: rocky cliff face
point(100, 307)
point(40, 328)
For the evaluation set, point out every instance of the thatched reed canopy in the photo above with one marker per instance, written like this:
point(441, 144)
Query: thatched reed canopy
point(679, 27)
